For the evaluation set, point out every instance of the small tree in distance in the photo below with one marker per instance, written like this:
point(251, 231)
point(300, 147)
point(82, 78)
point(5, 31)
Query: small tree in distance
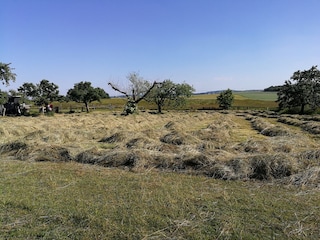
point(83, 92)
point(225, 99)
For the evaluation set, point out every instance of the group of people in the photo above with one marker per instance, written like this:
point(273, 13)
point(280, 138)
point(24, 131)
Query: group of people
point(46, 108)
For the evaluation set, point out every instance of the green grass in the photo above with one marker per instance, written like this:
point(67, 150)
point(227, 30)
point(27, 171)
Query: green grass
point(75, 201)
point(243, 100)
point(258, 95)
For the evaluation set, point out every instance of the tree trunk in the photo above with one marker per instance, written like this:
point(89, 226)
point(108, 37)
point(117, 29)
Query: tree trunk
point(302, 109)
point(87, 106)
point(159, 108)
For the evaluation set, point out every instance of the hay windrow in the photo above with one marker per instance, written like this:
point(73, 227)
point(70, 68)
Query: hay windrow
point(309, 125)
point(12, 147)
point(117, 137)
point(310, 177)
point(253, 146)
point(266, 167)
point(268, 129)
point(52, 154)
point(172, 138)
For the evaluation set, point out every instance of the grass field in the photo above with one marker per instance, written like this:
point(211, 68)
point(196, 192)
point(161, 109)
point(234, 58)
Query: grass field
point(178, 175)
point(243, 100)
point(258, 95)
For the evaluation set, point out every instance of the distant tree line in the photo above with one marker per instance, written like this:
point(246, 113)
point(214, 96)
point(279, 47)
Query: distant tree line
point(165, 93)
point(273, 89)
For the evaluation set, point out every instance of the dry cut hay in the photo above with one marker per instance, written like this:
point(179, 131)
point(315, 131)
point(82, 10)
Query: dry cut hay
point(117, 137)
point(12, 147)
point(309, 177)
point(52, 154)
point(309, 158)
point(268, 129)
point(172, 138)
point(290, 121)
point(218, 130)
point(106, 158)
point(266, 167)
point(253, 146)
point(258, 167)
point(310, 126)
point(200, 143)
point(49, 153)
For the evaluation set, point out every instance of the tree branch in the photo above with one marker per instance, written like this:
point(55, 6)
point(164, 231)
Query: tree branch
point(146, 93)
point(118, 90)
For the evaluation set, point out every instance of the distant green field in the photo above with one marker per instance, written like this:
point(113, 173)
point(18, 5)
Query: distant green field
point(254, 95)
point(242, 100)
point(258, 95)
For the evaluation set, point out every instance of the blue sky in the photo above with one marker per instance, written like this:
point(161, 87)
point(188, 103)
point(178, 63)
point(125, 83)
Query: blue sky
point(209, 44)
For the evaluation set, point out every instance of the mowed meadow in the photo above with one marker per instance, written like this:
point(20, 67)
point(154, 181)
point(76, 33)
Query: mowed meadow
point(199, 174)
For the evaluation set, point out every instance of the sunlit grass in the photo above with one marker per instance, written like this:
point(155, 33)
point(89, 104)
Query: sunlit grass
point(75, 201)
point(243, 100)
point(259, 95)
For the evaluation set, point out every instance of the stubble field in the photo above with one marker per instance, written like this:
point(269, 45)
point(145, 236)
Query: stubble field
point(178, 175)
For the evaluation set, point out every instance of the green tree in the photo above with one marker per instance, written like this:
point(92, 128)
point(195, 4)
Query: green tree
point(302, 91)
point(28, 91)
point(46, 92)
point(225, 99)
point(83, 92)
point(13, 92)
point(137, 90)
point(3, 97)
point(168, 93)
point(6, 74)
point(41, 93)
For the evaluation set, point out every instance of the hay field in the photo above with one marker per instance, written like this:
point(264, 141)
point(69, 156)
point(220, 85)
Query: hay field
point(224, 145)
point(178, 175)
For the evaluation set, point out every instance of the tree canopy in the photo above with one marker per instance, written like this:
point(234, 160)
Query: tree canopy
point(83, 92)
point(28, 91)
point(3, 97)
point(6, 74)
point(169, 93)
point(41, 93)
point(225, 99)
point(303, 89)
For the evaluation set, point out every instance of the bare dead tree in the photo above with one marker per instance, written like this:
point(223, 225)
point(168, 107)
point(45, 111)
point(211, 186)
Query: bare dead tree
point(133, 98)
